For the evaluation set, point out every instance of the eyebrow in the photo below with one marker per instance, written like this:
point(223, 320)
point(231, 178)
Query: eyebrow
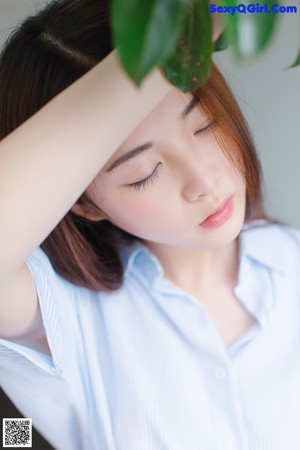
point(141, 148)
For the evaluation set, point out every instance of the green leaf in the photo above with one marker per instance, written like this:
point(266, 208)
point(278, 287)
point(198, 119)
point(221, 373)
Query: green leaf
point(248, 29)
point(190, 64)
point(296, 62)
point(221, 43)
point(145, 32)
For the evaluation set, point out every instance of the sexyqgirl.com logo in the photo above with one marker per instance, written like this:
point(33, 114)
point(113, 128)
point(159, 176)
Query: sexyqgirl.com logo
point(241, 8)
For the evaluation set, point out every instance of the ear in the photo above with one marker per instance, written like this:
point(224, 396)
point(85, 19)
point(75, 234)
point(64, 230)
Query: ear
point(87, 212)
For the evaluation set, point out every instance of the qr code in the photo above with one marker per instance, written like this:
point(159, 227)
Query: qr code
point(17, 433)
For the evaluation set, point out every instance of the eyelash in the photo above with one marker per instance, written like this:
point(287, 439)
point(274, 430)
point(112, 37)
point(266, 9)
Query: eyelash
point(146, 181)
point(206, 129)
point(150, 179)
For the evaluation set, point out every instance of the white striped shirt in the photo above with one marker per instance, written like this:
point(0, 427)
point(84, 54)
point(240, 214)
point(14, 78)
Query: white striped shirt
point(144, 367)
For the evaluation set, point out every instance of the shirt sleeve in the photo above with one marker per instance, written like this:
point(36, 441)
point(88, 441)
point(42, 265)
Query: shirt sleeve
point(55, 298)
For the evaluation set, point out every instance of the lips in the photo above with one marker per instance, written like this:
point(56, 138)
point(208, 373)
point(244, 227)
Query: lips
point(218, 208)
point(220, 214)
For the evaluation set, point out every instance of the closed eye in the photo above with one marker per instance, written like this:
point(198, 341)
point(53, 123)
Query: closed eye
point(138, 185)
point(146, 181)
point(206, 129)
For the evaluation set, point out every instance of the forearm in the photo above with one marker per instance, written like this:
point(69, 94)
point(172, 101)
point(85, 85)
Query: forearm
point(48, 162)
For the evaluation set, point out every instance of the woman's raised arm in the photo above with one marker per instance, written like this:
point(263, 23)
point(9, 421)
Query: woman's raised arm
point(47, 163)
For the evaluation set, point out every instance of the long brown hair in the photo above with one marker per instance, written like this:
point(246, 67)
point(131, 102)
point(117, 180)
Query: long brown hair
point(43, 56)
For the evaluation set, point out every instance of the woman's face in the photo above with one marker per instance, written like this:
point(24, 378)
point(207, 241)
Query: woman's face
point(168, 177)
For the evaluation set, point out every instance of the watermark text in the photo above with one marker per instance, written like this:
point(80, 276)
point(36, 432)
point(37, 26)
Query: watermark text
point(241, 8)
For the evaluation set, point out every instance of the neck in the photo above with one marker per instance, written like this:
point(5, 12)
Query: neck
point(198, 271)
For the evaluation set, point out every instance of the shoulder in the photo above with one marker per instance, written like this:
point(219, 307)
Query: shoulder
point(59, 298)
point(46, 276)
point(264, 228)
point(275, 244)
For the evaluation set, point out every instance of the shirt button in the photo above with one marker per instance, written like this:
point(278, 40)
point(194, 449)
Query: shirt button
point(220, 373)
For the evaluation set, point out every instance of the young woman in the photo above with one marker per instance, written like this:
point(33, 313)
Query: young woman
point(146, 303)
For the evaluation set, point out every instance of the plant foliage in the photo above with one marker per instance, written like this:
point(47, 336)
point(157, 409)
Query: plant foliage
point(176, 35)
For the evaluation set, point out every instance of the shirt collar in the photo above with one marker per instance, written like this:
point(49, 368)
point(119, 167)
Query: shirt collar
point(261, 241)
point(138, 256)
point(258, 241)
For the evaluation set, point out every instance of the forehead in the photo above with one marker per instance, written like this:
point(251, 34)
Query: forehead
point(171, 112)
point(174, 103)
point(174, 107)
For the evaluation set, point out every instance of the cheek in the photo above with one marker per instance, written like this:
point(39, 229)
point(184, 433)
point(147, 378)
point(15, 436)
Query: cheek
point(139, 209)
point(139, 217)
point(134, 210)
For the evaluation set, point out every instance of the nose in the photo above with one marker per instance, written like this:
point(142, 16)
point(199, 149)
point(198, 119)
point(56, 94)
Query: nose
point(199, 179)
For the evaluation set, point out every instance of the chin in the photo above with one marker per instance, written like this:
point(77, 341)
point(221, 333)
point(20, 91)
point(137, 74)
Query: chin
point(217, 237)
